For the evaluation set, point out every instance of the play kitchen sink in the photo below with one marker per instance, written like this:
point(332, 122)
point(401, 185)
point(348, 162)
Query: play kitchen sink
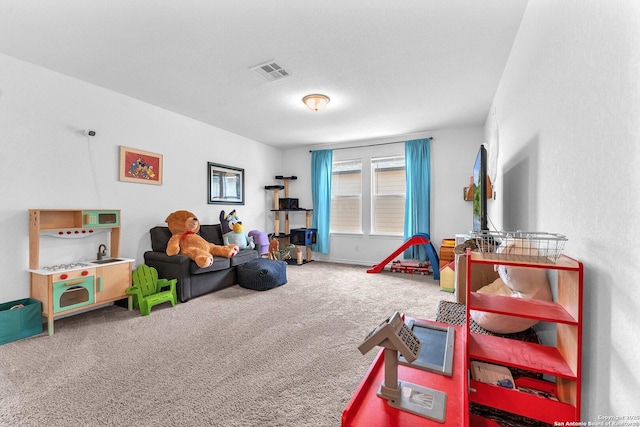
point(106, 261)
point(102, 252)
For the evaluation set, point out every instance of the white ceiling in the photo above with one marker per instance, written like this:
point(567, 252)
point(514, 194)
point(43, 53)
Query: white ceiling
point(391, 67)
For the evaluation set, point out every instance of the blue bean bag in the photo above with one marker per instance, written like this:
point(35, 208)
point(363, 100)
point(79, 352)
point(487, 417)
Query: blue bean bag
point(262, 274)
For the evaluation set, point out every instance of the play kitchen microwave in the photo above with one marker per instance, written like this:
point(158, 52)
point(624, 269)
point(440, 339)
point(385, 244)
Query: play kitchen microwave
point(100, 218)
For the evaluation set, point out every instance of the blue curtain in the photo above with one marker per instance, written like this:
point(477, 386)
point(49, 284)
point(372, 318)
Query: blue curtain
point(321, 166)
point(418, 192)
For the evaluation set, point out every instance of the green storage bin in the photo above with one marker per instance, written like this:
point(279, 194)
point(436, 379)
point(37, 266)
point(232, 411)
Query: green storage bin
point(20, 322)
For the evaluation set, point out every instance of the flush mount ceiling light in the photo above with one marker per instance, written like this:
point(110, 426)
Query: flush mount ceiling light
point(316, 101)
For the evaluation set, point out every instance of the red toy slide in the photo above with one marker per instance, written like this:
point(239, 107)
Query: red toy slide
point(417, 239)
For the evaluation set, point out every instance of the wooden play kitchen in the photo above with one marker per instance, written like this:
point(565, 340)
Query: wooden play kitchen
point(73, 287)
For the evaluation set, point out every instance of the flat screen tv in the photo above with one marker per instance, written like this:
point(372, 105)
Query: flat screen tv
point(480, 191)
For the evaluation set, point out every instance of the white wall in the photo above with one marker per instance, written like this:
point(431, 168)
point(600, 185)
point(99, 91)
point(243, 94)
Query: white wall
point(452, 156)
point(47, 163)
point(569, 125)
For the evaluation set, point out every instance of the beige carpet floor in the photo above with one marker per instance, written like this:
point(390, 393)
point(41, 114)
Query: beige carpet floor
point(236, 357)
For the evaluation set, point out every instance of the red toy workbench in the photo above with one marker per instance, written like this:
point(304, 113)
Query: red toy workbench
point(366, 409)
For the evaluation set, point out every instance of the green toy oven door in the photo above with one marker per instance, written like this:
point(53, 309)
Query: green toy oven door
point(73, 293)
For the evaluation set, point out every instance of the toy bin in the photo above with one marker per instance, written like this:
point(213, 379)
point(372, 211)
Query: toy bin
point(20, 319)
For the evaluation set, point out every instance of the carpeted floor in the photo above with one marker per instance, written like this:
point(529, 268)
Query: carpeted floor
point(236, 357)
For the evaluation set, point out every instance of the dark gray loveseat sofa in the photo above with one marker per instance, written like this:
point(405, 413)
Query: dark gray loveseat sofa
point(194, 281)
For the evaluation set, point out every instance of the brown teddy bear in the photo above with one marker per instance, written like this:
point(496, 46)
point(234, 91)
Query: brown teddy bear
point(184, 225)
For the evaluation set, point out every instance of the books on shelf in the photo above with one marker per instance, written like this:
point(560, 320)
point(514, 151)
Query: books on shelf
point(539, 393)
point(501, 376)
point(492, 374)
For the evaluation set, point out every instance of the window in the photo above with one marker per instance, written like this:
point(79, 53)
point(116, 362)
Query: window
point(368, 194)
point(346, 197)
point(387, 195)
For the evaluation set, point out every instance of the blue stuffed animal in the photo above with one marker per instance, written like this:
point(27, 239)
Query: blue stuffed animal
point(238, 237)
point(227, 221)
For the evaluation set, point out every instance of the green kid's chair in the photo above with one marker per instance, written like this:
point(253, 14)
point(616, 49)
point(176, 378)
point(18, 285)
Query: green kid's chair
point(147, 289)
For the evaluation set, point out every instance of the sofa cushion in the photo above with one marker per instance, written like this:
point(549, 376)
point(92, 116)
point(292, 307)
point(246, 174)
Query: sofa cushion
point(212, 233)
point(243, 256)
point(160, 236)
point(219, 263)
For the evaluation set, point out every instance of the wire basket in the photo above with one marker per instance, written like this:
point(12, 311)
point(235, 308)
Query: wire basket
point(520, 245)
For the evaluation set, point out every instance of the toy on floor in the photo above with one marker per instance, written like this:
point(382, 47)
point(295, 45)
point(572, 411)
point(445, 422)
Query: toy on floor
point(148, 290)
point(281, 254)
point(185, 241)
point(416, 239)
point(410, 267)
point(515, 282)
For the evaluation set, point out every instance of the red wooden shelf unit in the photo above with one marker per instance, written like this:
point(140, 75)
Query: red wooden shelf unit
point(562, 361)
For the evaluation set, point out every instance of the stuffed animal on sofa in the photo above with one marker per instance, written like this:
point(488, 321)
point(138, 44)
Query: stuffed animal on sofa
point(515, 282)
point(238, 237)
point(183, 226)
point(227, 221)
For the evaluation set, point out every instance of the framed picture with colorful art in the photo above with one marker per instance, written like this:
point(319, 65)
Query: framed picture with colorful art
point(140, 166)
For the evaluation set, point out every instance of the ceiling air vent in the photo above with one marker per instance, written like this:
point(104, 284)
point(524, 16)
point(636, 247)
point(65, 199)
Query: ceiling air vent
point(270, 71)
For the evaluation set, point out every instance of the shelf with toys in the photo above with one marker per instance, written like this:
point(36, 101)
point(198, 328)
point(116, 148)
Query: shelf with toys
point(560, 361)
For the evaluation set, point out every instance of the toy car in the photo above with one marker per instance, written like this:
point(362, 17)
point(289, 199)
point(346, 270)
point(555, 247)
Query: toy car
point(410, 267)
